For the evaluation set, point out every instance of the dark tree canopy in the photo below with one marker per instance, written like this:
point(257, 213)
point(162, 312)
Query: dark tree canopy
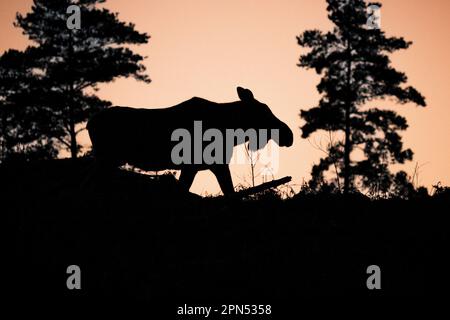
point(25, 132)
point(354, 63)
point(72, 62)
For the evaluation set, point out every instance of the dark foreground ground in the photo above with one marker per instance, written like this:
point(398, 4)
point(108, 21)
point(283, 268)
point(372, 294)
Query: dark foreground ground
point(138, 238)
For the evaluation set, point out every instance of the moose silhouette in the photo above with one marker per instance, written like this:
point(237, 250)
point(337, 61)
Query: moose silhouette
point(144, 137)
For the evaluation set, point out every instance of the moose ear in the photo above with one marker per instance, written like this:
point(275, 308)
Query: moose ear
point(244, 94)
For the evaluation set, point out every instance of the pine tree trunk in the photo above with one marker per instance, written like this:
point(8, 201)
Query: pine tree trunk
point(347, 149)
point(73, 139)
point(3, 151)
point(72, 132)
point(348, 107)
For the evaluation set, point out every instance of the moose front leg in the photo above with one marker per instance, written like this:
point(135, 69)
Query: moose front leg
point(223, 175)
point(187, 176)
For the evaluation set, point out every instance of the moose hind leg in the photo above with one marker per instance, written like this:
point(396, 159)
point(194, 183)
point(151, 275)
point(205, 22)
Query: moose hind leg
point(223, 175)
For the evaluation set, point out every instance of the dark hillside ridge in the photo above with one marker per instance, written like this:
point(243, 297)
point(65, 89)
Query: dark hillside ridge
point(140, 238)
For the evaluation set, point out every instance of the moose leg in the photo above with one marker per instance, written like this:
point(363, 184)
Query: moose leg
point(187, 176)
point(223, 175)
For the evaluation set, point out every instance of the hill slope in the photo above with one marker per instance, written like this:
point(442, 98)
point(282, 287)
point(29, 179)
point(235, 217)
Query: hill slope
point(140, 238)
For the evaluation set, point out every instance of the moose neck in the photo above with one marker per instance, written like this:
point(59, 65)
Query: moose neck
point(239, 117)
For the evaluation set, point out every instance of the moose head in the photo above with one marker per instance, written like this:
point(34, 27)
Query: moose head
point(258, 115)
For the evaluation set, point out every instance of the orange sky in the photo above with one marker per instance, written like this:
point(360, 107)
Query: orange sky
point(207, 48)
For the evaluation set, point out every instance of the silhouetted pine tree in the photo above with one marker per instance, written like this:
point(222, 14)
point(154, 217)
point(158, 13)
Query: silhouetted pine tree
point(25, 133)
point(74, 61)
point(355, 68)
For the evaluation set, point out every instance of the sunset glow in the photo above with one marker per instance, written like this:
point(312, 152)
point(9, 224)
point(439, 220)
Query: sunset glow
point(208, 48)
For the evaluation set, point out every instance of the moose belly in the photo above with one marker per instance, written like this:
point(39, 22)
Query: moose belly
point(147, 154)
